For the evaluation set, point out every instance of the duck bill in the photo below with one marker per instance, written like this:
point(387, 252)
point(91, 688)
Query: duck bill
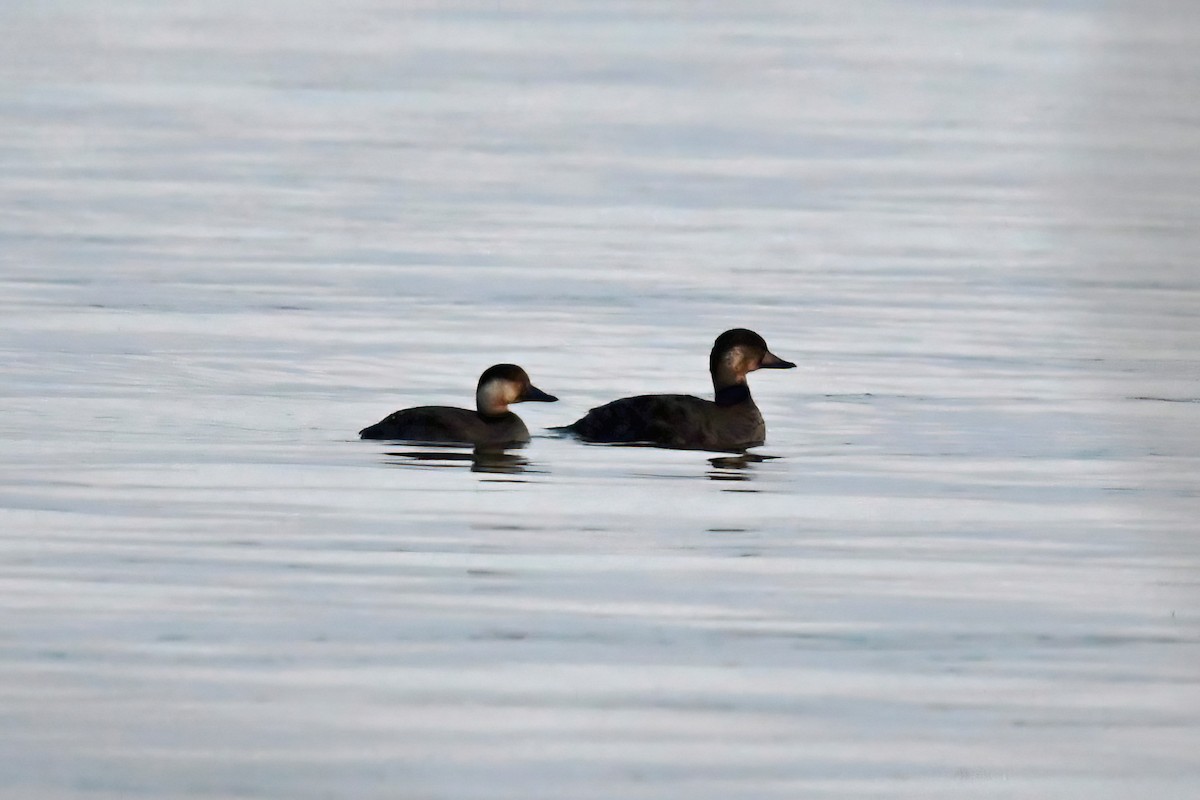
point(533, 393)
point(772, 361)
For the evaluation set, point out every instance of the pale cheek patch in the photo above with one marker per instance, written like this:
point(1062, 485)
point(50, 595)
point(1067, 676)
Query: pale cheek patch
point(495, 395)
point(739, 361)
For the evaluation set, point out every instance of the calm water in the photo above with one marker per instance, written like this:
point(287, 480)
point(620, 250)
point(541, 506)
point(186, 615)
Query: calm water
point(232, 234)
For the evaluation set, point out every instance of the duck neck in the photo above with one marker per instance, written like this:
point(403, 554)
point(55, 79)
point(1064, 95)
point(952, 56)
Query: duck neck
point(730, 388)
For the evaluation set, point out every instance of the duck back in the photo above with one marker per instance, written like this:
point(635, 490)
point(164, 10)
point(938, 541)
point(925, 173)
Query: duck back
point(447, 425)
point(673, 420)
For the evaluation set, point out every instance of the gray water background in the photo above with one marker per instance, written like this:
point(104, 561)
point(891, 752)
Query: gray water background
point(232, 234)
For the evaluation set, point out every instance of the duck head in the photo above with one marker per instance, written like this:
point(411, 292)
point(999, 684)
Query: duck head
point(503, 384)
point(738, 352)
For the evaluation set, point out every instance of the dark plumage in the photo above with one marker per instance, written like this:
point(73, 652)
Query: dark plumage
point(490, 425)
point(730, 422)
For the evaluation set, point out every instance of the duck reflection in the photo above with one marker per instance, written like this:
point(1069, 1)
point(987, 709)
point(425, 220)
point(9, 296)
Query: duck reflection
point(479, 460)
point(738, 467)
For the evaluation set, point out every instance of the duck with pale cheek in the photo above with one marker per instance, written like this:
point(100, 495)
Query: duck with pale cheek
point(731, 421)
point(491, 424)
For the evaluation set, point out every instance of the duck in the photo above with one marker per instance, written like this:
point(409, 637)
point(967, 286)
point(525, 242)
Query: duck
point(490, 425)
point(729, 422)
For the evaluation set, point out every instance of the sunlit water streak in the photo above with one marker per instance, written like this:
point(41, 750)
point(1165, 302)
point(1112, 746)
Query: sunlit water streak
point(232, 235)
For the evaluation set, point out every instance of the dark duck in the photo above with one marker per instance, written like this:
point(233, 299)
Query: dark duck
point(729, 422)
point(490, 425)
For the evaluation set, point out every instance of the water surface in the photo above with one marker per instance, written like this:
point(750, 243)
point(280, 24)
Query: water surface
point(232, 235)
